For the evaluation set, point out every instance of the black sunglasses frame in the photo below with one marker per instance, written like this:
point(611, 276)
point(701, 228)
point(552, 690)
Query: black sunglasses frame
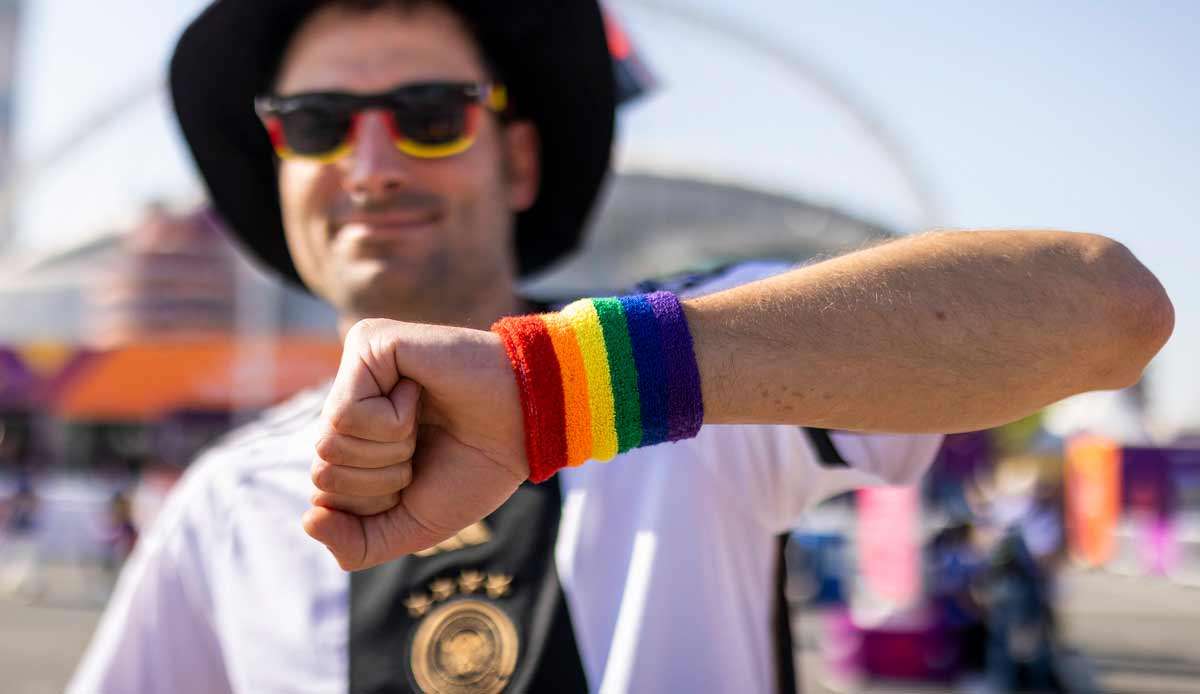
point(400, 104)
point(414, 95)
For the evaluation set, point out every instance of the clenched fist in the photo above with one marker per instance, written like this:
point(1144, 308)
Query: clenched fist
point(422, 435)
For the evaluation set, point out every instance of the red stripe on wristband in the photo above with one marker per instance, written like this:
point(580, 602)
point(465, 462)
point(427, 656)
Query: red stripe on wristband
point(531, 352)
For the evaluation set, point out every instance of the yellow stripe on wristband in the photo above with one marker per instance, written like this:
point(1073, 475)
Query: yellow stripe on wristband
point(575, 388)
point(590, 336)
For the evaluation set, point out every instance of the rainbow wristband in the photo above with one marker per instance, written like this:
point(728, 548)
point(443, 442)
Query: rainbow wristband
point(601, 377)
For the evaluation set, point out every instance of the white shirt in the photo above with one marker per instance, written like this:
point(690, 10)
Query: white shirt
point(666, 555)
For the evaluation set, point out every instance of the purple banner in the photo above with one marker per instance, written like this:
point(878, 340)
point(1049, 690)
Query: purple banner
point(17, 383)
point(1155, 479)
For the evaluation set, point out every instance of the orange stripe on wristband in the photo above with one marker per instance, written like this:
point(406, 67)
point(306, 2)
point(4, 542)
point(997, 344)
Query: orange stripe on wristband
point(586, 323)
point(531, 353)
point(575, 388)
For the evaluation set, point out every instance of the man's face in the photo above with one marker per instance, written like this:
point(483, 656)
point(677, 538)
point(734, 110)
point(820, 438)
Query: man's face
point(379, 233)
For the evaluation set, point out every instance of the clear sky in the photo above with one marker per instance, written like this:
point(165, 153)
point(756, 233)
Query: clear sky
point(1076, 115)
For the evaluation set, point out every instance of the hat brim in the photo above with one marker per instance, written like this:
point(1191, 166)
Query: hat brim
point(555, 61)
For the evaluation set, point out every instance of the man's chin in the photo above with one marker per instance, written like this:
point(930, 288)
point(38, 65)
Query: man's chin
point(381, 288)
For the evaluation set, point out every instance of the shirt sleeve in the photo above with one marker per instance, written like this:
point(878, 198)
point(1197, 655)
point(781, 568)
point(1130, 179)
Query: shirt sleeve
point(158, 632)
point(783, 472)
point(716, 279)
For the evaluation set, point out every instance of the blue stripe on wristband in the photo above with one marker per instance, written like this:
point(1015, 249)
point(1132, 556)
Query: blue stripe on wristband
point(651, 367)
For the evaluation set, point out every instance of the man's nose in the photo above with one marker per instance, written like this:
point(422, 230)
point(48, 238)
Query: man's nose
point(377, 168)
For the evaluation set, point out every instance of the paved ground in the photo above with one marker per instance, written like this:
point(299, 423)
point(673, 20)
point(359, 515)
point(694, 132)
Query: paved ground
point(1130, 636)
point(1140, 636)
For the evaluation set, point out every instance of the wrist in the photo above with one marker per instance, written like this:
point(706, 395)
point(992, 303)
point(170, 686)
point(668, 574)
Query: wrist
point(601, 377)
point(714, 364)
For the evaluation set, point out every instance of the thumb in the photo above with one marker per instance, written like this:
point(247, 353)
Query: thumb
point(362, 542)
point(395, 533)
point(340, 532)
point(453, 486)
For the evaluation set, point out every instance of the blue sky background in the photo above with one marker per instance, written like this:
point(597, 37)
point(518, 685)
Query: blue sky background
point(1076, 115)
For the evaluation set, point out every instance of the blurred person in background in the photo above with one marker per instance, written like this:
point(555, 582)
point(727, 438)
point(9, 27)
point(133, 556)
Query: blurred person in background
point(1021, 629)
point(20, 549)
point(1017, 545)
point(411, 160)
point(120, 534)
point(20, 543)
point(955, 563)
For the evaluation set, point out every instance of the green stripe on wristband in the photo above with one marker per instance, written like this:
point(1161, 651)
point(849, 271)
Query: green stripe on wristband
point(623, 371)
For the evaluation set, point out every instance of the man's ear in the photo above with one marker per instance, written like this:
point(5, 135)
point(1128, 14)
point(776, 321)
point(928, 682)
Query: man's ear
point(522, 150)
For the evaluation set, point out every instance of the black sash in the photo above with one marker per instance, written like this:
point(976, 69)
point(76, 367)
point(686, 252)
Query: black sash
point(454, 619)
point(786, 680)
point(384, 633)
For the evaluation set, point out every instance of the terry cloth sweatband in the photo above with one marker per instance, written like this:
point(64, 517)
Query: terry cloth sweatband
point(601, 377)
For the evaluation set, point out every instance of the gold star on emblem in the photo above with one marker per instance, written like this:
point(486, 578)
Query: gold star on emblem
point(497, 585)
point(418, 604)
point(470, 581)
point(442, 589)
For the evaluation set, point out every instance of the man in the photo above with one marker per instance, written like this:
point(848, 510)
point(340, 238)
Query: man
point(427, 155)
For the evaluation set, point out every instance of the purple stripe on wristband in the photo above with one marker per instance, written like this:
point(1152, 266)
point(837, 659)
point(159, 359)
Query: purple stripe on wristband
point(685, 405)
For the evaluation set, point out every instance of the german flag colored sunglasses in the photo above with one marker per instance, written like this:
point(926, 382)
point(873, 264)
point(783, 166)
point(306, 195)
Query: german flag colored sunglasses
point(428, 120)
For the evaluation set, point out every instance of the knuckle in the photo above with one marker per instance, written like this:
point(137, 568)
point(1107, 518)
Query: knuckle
point(341, 419)
point(397, 477)
point(361, 330)
point(372, 325)
point(367, 330)
point(324, 476)
point(380, 504)
point(405, 475)
point(335, 418)
point(329, 448)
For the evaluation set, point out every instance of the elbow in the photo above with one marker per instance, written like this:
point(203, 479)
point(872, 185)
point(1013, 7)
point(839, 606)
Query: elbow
point(1143, 333)
point(1137, 315)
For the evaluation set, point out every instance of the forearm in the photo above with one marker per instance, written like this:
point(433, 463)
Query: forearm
point(941, 332)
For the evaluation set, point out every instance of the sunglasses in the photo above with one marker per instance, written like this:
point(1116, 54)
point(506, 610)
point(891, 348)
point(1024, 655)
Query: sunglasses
point(429, 120)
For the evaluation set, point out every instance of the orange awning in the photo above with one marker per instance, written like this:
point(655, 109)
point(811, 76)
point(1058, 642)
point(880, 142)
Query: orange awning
point(147, 381)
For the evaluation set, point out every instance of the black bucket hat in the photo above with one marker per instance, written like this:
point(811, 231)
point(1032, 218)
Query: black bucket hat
point(552, 55)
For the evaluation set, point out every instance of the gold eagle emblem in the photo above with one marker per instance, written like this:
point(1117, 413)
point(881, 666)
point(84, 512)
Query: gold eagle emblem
point(467, 646)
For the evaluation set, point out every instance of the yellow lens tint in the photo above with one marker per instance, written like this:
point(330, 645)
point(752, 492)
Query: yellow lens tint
point(322, 158)
point(438, 151)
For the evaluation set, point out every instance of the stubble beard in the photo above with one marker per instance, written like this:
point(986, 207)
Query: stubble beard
point(470, 292)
